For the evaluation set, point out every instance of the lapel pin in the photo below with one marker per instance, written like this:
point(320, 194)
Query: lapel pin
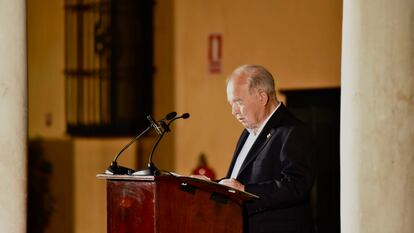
point(268, 135)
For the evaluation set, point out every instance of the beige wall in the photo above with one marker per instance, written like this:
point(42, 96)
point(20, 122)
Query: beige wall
point(298, 41)
point(45, 42)
point(164, 85)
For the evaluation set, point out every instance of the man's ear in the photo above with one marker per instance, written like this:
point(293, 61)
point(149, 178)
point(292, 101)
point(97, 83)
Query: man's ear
point(264, 98)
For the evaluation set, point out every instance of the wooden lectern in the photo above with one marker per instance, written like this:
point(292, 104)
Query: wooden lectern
point(172, 204)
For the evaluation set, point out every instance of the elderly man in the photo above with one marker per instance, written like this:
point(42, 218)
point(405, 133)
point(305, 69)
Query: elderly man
point(273, 157)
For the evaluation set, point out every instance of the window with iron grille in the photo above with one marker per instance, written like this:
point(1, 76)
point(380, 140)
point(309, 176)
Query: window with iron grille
point(108, 66)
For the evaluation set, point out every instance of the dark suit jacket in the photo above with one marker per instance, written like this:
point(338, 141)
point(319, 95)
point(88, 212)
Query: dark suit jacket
point(279, 168)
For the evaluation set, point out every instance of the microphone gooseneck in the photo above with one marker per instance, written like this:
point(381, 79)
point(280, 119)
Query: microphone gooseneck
point(151, 170)
point(161, 128)
point(117, 170)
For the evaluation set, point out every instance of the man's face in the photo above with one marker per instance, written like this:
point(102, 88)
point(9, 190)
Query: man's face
point(246, 107)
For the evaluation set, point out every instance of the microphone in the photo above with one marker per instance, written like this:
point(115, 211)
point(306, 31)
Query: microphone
point(114, 169)
point(184, 116)
point(170, 116)
point(152, 169)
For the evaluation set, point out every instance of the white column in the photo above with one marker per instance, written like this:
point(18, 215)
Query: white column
point(377, 117)
point(13, 112)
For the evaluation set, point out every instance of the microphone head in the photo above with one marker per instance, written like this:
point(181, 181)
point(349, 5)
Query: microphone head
point(170, 116)
point(186, 115)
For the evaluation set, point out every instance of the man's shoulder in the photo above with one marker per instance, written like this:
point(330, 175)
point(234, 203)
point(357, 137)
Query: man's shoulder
point(284, 118)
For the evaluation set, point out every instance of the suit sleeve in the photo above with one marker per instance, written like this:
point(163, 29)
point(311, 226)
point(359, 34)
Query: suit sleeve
point(293, 184)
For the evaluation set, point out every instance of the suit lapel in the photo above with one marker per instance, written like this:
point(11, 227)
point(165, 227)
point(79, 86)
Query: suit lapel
point(258, 145)
point(267, 133)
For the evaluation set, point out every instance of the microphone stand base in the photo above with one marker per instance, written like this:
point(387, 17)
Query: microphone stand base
point(150, 171)
point(114, 169)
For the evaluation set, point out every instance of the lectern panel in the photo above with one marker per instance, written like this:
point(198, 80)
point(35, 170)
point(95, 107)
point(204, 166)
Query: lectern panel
point(191, 209)
point(130, 205)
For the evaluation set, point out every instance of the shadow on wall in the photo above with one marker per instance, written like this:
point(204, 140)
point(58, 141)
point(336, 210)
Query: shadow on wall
point(50, 186)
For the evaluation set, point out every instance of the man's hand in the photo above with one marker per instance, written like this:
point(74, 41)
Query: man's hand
point(232, 183)
point(201, 177)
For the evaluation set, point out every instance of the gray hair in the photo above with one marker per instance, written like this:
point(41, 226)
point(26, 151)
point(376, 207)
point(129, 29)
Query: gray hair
point(258, 79)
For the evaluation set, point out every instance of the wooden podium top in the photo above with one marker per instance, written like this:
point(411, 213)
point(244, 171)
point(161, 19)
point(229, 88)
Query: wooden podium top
point(185, 181)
